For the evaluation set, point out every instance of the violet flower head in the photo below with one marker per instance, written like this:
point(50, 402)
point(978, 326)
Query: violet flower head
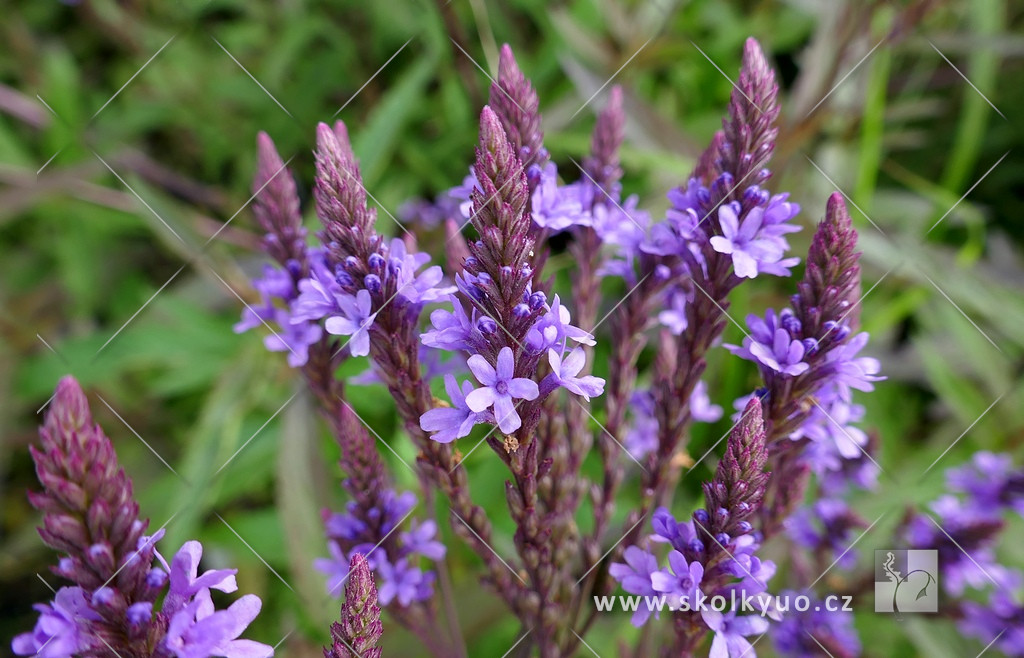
point(355, 320)
point(500, 387)
point(341, 198)
point(830, 289)
point(805, 634)
point(456, 421)
point(731, 633)
point(635, 576)
point(360, 628)
point(565, 372)
point(276, 207)
point(737, 489)
point(749, 130)
point(517, 107)
point(602, 166)
point(90, 516)
point(681, 582)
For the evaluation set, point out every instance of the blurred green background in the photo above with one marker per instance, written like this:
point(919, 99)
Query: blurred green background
point(127, 140)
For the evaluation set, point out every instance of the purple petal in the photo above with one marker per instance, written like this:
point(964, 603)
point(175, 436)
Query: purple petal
point(481, 398)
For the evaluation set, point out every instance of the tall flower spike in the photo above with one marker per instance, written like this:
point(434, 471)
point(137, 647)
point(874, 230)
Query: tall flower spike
point(276, 207)
point(749, 131)
point(515, 102)
point(831, 285)
point(341, 198)
point(360, 627)
point(739, 483)
point(602, 165)
point(90, 514)
point(504, 252)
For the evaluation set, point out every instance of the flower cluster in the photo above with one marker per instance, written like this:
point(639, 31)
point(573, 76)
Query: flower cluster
point(91, 517)
point(497, 319)
point(395, 562)
point(713, 553)
point(820, 627)
point(964, 526)
point(356, 635)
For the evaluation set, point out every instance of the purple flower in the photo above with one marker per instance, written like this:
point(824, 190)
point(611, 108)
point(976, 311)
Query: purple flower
point(642, 437)
point(565, 372)
point(500, 386)
point(803, 634)
point(186, 581)
point(335, 567)
point(851, 371)
point(990, 481)
point(828, 524)
point(355, 322)
point(701, 408)
point(770, 344)
point(453, 330)
point(635, 578)
point(199, 631)
point(415, 288)
point(553, 329)
point(745, 242)
point(830, 423)
point(997, 624)
point(294, 338)
point(318, 294)
point(555, 207)
point(62, 629)
point(402, 582)
point(682, 581)
point(455, 422)
point(420, 539)
point(731, 631)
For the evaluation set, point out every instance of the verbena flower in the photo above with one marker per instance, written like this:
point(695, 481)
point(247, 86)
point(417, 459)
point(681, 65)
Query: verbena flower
point(500, 388)
point(359, 629)
point(804, 634)
point(456, 421)
point(91, 517)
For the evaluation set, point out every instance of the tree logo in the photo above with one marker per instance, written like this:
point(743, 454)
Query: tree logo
point(906, 581)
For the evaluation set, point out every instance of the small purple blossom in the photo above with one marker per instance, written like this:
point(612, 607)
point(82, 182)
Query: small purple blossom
point(635, 577)
point(681, 582)
point(355, 322)
point(770, 344)
point(565, 372)
point(62, 629)
point(500, 387)
point(198, 630)
point(730, 633)
point(556, 207)
point(554, 328)
point(455, 422)
point(403, 583)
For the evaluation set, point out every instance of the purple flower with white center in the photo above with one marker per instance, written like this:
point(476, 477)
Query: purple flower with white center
point(750, 247)
point(62, 629)
point(453, 330)
point(199, 631)
point(681, 582)
point(500, 387)
point(565, 372)
point(554, 328)
point(403, 583)
point(804, 634)
point(770, 344)
point(455, 422)
point(420, 539)
point(556, 207)
point(701, 409)
point(355, 322)
point(635, 578)
point(731, 631)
